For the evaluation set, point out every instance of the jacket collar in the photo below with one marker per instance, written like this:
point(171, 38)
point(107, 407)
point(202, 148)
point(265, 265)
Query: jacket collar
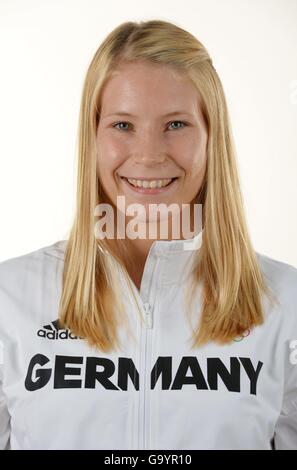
point(175, 259)
point(177, 246)
point(159, 247)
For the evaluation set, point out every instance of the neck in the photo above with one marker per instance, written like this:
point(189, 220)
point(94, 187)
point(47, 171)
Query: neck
point(136, 250)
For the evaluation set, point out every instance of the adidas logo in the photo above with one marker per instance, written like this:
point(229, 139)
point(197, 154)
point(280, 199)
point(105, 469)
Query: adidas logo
point(55, 331)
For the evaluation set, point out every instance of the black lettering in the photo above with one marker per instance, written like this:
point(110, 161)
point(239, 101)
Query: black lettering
point(63, 334)
point(197, 377)
point(127, 368)
point(162, 366)
point(41, 333)
point(42, 375)
point(92, 374)
point(72, 336)
point(61, 370)
point(51, 335)
point(216, 368)
point(251, 372)
point(38, 377)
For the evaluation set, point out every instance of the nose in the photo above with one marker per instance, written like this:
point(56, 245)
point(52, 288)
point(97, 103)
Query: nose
point(149, 149)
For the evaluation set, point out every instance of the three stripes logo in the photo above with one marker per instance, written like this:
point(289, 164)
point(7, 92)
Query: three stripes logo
point(54, 331)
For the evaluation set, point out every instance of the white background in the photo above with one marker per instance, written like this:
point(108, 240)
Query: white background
point(45, 48)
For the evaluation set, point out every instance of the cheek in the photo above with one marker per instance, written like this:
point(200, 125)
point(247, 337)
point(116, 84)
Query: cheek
point(198, 165)
point(190, 155)
point(110, 155)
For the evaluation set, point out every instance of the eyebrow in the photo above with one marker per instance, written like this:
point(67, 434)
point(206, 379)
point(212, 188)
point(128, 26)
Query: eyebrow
point(171, 113)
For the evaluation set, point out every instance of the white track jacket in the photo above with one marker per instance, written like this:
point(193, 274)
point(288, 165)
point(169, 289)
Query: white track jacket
point(56, 392)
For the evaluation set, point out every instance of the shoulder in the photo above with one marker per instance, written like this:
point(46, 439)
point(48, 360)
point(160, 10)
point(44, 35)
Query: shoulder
point(281, 276)
point(281, 279)
point(29, 283)
point(12, 269)
point(29, 287)
point(55, 250)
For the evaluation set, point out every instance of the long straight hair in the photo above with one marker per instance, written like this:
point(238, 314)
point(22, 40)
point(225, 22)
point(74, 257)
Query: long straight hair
point(227, 266)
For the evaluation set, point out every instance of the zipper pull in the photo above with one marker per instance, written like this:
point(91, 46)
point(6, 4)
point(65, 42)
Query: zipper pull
point(148, 315)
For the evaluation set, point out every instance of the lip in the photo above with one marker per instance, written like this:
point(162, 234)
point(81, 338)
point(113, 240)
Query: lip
point(149, 191)
point(148, 179)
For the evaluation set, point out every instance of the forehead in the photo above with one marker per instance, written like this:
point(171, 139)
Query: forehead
point(132, 86)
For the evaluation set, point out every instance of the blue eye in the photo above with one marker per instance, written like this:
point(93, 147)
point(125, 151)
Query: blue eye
point(122, 122)
point(125, 122)
point(180, 122)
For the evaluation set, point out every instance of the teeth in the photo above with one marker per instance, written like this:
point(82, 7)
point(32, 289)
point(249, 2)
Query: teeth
point(150, 184)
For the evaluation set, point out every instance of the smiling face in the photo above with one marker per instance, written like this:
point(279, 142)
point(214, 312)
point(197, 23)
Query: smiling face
point(152, 132)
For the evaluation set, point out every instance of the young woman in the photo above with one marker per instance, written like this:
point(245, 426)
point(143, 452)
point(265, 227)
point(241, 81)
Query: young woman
point(125, 342)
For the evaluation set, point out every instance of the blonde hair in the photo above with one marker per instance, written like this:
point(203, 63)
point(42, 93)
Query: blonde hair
point(233, 284)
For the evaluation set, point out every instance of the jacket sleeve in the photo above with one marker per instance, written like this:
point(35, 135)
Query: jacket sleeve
point(285, 436)
point(4, 414)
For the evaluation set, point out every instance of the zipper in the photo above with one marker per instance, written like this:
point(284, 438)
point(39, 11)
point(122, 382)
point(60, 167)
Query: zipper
point(148, 319)
point(148, 307)
point(148, 311)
